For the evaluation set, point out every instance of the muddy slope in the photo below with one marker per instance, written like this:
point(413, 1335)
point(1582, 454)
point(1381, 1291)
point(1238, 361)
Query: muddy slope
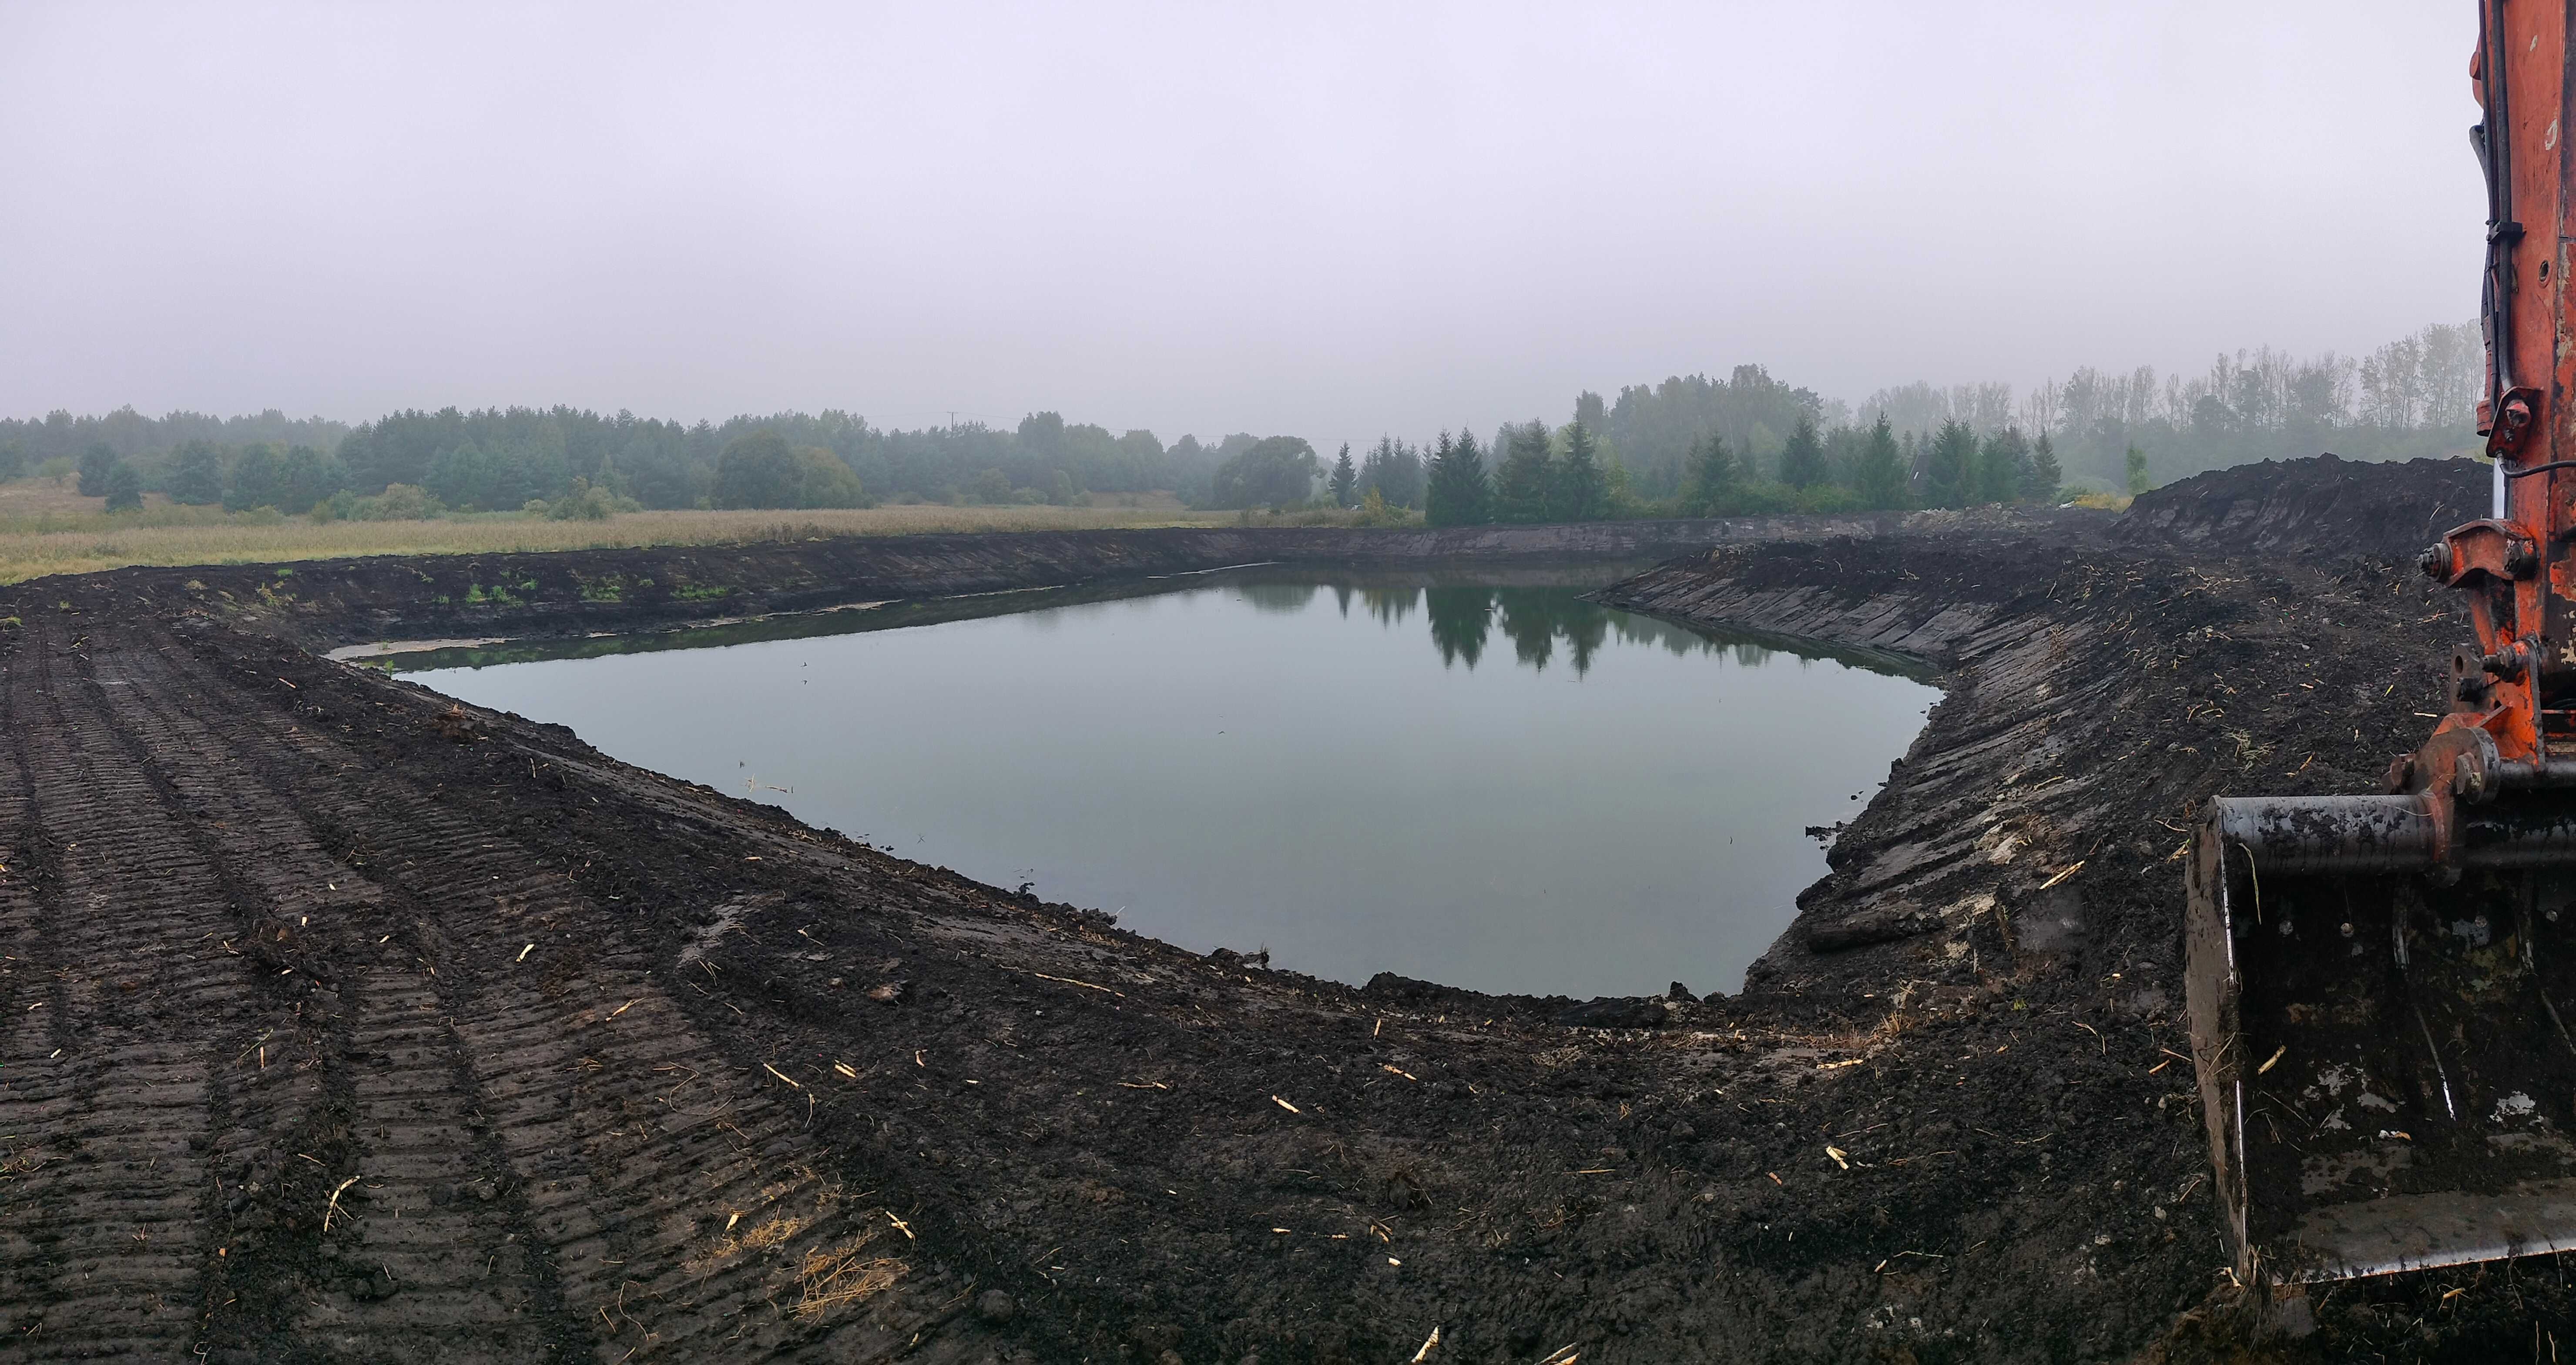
point(340, 1023)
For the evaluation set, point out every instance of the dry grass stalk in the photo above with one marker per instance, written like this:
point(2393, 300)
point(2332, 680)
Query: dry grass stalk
point(333, 1207)
point(845, 1274)
point(773, 1232)
point(1069, 981)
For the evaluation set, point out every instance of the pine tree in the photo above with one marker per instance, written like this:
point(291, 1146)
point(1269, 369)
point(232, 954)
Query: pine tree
point(1802, 462)
point(1526, 477)
point(2040, 479)
point(1880, 474)
point(94, 464)
point(1714, 483)
point(197, 474)
point(1582, 491)
point(1346, 479)
point(255, 479)
point(123, 487)
point(1950, 472)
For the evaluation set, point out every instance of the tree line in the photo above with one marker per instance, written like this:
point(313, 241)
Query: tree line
point(510, 459)
point(1690, 445)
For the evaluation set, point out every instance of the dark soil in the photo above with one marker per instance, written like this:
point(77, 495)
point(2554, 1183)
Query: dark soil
point(625, 1068)
point(2322, 505)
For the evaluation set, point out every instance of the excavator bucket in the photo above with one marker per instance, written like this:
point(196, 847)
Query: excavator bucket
point(2384, 1060)
point(2380, 986)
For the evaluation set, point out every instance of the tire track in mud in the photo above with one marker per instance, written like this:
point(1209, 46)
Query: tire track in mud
point(403, 1277)
point(104, 1238)
point(675, 1199)
point(28, 1007)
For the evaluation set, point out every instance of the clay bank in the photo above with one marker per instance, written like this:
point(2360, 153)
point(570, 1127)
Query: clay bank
point(347, 1022)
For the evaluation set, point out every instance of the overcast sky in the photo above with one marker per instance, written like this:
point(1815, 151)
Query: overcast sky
point(1319, 219)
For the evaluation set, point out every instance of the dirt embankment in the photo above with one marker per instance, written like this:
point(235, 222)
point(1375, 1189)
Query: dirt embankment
point(2024, 851)
point(337, 1022)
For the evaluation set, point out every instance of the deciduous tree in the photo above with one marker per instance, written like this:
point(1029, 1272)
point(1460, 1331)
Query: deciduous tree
point(757, 469)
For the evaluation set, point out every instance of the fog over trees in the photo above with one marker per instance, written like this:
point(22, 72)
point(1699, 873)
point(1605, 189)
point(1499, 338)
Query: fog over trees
point(1688, 445)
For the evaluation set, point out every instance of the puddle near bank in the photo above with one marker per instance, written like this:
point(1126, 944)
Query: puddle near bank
point(1478, 779)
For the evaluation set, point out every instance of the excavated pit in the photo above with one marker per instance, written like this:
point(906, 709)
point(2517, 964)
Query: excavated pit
point(344, 1023)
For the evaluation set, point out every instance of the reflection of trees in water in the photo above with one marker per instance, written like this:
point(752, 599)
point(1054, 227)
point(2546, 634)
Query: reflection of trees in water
point(1459, 617)
point(1537, 620)
point(1390, 605)
point(1280, 597)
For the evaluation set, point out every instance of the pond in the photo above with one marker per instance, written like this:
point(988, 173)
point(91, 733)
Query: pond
point(1479, 779)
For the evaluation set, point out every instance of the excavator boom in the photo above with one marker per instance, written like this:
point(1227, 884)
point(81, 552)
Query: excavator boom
point(2380, 986)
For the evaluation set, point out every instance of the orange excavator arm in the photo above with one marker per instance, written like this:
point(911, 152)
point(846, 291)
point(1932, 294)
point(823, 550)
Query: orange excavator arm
point(2518, 567)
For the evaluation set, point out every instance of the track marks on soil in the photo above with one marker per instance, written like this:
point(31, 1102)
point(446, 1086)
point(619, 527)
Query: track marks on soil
point(675, 1194)
point(423, 1260)
point(101, 1236)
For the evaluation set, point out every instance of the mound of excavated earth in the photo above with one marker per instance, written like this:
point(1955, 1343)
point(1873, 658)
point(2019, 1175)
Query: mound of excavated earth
point(345, 1023)
point(2317, 505)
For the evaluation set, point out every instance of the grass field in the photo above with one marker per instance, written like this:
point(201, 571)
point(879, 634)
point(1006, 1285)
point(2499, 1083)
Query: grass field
point(46, 529)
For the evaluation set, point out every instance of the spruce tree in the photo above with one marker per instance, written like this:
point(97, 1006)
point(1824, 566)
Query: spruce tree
point(1880, 474)
point(1475, 485)
point(1715, 482)
point(1346, 479)
point(1950, 472)
point(1457, 493)
point(1526, 477)
point(1582, 491)
point(1802, 462)
point(1394, 470)
point(2002, 466)
point(2041, 477)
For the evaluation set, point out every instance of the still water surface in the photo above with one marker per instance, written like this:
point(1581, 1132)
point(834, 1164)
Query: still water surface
point(1499, 787)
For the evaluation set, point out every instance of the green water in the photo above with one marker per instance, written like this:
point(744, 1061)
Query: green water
point(1481, 780)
